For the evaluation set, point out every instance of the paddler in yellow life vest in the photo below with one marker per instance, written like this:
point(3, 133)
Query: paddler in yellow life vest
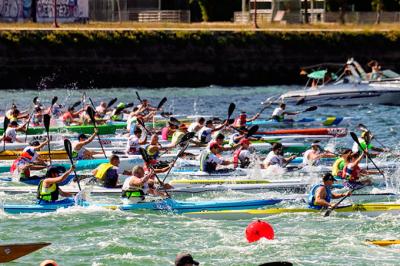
point(138, 185)
point(365, 142)
point(118, 113)
point(338, 165)
point(320, 195)
point(107, 173)
point(48, 189)
point(177, 136)
point(14, 114)
point(78, 148)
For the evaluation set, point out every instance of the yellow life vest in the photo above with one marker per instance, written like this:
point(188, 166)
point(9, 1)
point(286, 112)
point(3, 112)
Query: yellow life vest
point(177, 136)
point(338, 166)
point(102, 170)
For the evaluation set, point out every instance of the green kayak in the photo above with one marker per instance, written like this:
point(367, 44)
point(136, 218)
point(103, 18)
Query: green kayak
point(87, 129)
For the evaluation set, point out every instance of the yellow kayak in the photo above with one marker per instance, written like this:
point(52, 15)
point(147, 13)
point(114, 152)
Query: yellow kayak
point(384, 242)
point(55, 155)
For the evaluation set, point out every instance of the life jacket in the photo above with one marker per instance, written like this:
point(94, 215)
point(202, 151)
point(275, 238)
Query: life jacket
point(351, 174)
point(152, 155)
point(236, 157)
point(24, 174)
point(67, 118)
point(177, 136)
point(337, 167)
point(102, 170)
point(240, 121)
point(133, 193)
point(311, 196)
point(204, 165)
point(51, 194)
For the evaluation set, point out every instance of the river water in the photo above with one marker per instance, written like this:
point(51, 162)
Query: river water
point(104, 237)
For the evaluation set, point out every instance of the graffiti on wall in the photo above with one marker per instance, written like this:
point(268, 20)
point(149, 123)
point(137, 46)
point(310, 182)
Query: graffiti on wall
point(67, 10)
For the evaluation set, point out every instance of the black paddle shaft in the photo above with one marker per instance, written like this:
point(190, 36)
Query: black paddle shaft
point(46, 122)
point(90, 112)
point(68, 149)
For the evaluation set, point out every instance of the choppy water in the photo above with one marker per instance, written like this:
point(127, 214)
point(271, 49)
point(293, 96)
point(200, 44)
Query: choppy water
point(100, 237)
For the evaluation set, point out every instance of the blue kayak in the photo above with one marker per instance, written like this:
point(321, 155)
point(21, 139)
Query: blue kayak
point(35, 181)
point(158, 205)
point(325, 121)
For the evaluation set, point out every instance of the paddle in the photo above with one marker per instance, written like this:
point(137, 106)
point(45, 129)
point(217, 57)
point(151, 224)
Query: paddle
point(76, 104)
point(354, 137)
point(301, 101)
point(68, 149)
point(10, 252)
point(141, 123)
point(161, 103)
point(146, 158)
point(111, 103)
point(46, 122)
point(252, 131)
point(362, 127)
point(5, 126)
point(174, 121)
point(309, 109)
point(90, 112)
point(329, 210)
point(188, 136)
point(231, 109)
point(277, 263)
point(30, 117)
point(138, 97)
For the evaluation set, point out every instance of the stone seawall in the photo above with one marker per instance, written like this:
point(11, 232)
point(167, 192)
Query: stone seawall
point(123, 58)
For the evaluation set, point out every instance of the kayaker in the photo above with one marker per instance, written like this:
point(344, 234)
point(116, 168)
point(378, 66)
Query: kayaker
point(78, 148)
point(197, 125)
point(107, 173)
point(242, 119)
point(71, 117)
point(48, 189)
point(101, 109)
point(209, 159)
point(154, 147)
point(138, 185)
point(134, 142)
point(14, 114)
point(275, 157)
point(352, 172)
point(185, 259)
point(10, 136)
point(219, 139)
point(37, 116)
point(118, 113)
point(177, 136)
point(28, 161)
point(145, 107)
point(320, 195)
point(365, 142)
point(279, 113)
point(168, 130)
point(338, 165)
point(205, 134)
point(235, 138)
point(312, 156)
point(154, 167)
point(241, 157)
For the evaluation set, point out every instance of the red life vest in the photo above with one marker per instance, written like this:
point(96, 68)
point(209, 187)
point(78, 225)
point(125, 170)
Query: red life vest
point(26, 173)
point(236, 157)
point(240, 121)
point(351, 174)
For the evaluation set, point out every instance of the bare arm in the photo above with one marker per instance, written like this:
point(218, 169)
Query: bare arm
point(54, 180)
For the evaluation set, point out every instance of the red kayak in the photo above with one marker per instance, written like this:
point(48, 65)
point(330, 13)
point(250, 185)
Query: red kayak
point(336, 132)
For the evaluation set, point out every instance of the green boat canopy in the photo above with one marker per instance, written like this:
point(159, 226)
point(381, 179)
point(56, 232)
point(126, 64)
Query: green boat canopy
point(320, 74)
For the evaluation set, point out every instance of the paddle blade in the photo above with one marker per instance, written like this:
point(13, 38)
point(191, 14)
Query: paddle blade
point(138, 97)
point(14, 251)
point(354, 137)
point(328, 212)
point(46, 122)
point(6, 123)
point(129, 105)
point(309, 109)
point(231, 109)
point(35, 100)
point(68, 148)
point(362, 127)
point(187, 136)
point(76, 104)
point(54, 100)
point(144, 154)
point(90, 112)
point(252, 130)
point(111, 103)
point(174, 121)
point(231, 121)
point(162, 102)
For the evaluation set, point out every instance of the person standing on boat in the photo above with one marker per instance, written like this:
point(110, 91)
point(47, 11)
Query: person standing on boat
point(321, 195)
point(279, 113)
point(209, 159)
point(242, 119)
point(79, 152)
point(107, 173)
point(338, 165)
point(375, 73)
point(275, 157)
point(365, 142)
point(28, 161)
point(48, 189)
point(241, 157)
point(138, 185)
point(312, 156)
point(352, 172)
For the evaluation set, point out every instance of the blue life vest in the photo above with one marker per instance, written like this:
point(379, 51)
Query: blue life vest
point(311, 196)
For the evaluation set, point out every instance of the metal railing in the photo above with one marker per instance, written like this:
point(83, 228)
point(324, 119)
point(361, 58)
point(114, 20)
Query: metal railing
point(173, 16)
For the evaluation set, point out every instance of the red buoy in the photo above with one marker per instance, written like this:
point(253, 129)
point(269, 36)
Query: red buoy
point(259, 229)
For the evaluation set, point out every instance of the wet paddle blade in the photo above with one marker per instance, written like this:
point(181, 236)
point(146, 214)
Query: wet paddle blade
point(129, 105)
point(231, 109)
point(301, 101)
point(76, 104)
point(144, 154)
point(90, 112)
point(252, 130)
point(162, 102)
point(187, 136)
point(54, 100)
point(355, 138)
point(310, 109)
point(46, 122)
point(35, 100)
point(138, 97)
point(362, 127)
point(277, 263)
point(174, 121)
point(111, 103)
point(6, 123)
point(14, 251)
point(68, 148)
